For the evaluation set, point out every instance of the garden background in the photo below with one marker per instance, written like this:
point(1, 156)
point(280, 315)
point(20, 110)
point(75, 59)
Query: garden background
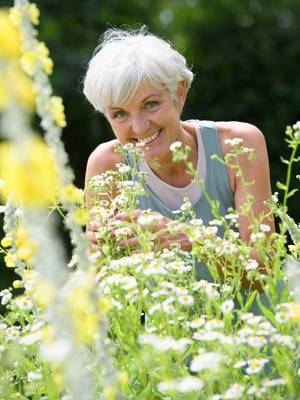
point(245, 54)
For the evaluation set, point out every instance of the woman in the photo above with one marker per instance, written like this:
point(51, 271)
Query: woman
point(140, 83)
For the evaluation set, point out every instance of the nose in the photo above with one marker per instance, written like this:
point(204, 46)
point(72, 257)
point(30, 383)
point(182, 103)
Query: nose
point(140, 125)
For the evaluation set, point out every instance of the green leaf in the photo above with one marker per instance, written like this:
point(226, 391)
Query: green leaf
point(284, 161)
point(144, 394)
point(267, 313)
point(281, 186)
point(239, 298)
point(250, 300)
point(285, 294)
point(291, 193)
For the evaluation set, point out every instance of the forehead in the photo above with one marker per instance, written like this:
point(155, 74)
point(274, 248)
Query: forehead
point(143, 92)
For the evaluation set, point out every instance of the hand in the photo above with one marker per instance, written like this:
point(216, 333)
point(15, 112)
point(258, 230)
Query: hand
point(158, 225)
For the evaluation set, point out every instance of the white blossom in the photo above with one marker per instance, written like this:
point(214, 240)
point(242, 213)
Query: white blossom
point(235, 391)
point(227, 306)
point(234, 141)
point(175, 145)
point(210, 360)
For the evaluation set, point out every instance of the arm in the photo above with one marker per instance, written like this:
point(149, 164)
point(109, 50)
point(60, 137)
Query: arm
point(256, 171)
point(102, 159)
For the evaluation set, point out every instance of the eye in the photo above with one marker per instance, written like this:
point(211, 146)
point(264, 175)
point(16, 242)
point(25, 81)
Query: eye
point(151, 104)
point(119, 115)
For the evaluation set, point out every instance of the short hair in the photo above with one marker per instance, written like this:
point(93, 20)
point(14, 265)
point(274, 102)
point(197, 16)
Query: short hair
point(124, 59)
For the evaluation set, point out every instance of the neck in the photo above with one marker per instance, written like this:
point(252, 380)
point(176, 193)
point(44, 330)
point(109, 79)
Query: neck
point(175, 173)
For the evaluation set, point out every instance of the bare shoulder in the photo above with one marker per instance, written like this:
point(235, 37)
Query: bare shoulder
point(102, 159)
point(252, 137)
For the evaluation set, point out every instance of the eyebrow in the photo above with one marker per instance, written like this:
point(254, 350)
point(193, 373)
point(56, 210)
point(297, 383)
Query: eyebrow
point(143, 101)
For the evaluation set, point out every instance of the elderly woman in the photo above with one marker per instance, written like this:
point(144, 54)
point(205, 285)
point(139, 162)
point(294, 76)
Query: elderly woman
point(140, 83)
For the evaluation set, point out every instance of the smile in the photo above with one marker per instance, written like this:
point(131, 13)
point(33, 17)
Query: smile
point(151, 137)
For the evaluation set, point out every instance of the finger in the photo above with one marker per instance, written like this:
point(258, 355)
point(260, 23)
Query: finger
point(124, 216)
point(131, 242)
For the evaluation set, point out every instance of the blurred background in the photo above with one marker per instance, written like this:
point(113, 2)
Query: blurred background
point(245, 54)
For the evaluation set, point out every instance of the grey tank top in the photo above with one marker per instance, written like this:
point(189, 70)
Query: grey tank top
point(216, 185)
point(216, 181)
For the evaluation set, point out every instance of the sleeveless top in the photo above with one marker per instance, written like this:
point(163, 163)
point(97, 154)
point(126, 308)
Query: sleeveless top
point(217, 183)
point(217, 186)
point(172, 196)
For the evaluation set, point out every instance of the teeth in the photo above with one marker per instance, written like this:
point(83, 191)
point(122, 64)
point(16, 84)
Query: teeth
point(150, 137)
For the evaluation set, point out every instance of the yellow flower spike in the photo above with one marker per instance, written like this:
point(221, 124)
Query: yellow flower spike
point(15, 87)
point(104, 305)
point(83, 315)
point(81, 216)
point(15, 16)
point(29, 173)
point(123, 378)
point(110, 393)
point(58, 379)
point(56, 108)
point(295, 312)
point(22, 88)
point(72, 194)
point(29, 62)
point(42, 49)
point(47, 336)
point(10, 260)
point(17, 284)
point(10, 41)
point(44, 294)
point(34, 13)
point(6, 242)
point(26, 252)
point(21, 237)
point(47, 64)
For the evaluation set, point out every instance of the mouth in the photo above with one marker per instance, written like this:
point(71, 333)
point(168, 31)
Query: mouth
point(150, 138)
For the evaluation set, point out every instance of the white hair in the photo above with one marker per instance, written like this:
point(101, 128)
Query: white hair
point(124, 59)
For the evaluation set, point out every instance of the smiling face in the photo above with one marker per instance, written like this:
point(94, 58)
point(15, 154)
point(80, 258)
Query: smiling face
point(150, 117)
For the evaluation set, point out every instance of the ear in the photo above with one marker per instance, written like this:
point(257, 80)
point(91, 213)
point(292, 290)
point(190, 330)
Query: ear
point(181, 94)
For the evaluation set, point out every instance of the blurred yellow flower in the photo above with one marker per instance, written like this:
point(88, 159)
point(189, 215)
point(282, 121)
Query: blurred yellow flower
point(43, 55)
point(110, 393)
point(72, 194)
point(34, 13)
point(42, 49)
point(81, 216)
point(20, 87)
point(15, 16)
point(43, 293)
point(10, 260)
point(15, 87)
point(17, 284)
point(29, 173)
point(29, 62)
point(123, 378)
point(295, 312)
point(83, 316)
point(10, 41)
point(26, 251)
point(104, 305)
point(16, 13)
point(57, 110)
point(6, 242)
point(58, 379)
